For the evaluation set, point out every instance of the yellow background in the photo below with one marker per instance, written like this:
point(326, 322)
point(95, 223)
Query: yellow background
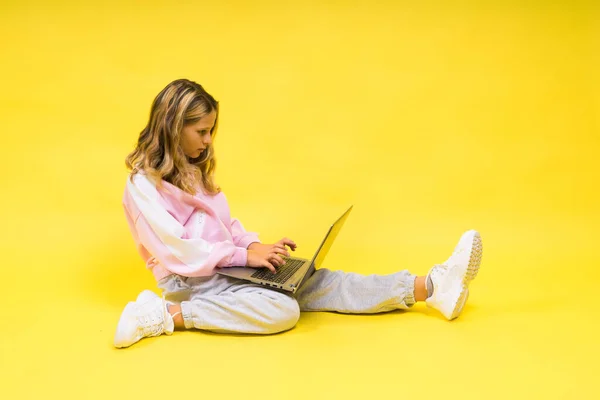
point(430, 117)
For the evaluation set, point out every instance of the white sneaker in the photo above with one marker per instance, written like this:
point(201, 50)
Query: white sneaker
point(451, 280)
point(146, 295)
point(147, 316)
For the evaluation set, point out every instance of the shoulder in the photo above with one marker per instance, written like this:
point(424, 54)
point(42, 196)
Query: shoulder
point(140, 183)
point(218, 197)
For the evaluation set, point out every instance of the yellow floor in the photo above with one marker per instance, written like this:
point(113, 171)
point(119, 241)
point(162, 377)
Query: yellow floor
point(431, 119)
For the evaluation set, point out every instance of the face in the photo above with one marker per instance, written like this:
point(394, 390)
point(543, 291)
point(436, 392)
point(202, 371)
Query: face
point(196, 137)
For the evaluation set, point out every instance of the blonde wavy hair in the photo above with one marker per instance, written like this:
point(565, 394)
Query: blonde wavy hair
point(158, 152)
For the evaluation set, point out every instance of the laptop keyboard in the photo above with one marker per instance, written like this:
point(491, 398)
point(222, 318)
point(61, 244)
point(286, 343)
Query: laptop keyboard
point(283, 273)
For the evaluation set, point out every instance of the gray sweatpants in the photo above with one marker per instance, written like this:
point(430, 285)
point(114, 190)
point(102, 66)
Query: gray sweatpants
point(223, 304)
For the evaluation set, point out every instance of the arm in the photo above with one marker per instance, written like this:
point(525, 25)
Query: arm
point(162, 235)
point(241, 238)
point(189, 257)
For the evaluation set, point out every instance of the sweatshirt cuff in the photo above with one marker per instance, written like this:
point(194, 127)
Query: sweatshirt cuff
point(239, 257)
point(248, 240)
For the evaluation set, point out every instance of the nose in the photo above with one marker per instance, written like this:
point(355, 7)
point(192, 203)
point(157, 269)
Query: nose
point(207, 139)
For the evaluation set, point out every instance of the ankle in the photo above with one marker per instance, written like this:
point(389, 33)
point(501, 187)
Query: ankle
point(420, 288)
point(175, 311)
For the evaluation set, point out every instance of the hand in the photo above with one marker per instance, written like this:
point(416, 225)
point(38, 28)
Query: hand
point(258, 260)
point(151, 263)
point(278, 247)
point(271, 253)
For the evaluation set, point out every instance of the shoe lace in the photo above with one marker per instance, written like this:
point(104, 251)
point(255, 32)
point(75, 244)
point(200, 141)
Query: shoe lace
point(438, 270)
point(152, 317)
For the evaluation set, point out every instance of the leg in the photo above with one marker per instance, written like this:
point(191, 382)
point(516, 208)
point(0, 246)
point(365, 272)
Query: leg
point(222, 304)
point(445, 288)
point(353, 293)
point(217, 304)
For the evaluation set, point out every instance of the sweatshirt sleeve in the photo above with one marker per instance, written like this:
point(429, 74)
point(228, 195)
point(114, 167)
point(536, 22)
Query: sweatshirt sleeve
point(241, 238)
point(162, 235)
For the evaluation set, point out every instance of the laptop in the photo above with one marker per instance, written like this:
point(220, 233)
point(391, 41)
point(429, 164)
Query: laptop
point(292, 275)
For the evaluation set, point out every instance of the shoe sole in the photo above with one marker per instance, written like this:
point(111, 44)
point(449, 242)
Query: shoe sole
point(471, 273)
point(120, 343)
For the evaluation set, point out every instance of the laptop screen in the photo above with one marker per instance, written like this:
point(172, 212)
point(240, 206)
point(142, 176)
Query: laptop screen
point(329, 239)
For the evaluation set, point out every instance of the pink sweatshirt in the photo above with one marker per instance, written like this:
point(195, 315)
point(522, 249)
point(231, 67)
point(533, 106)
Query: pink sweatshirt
point(188, 235)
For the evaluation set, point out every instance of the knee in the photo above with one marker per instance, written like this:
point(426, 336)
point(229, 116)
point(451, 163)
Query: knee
point(285, 315)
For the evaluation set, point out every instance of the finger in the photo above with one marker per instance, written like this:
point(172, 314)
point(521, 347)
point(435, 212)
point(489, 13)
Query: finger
point(270, 267)
point(277, 260)
point(273, 260)
point(280, 250)
point(288, 242)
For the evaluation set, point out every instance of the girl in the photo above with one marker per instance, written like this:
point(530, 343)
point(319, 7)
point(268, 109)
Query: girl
point(181, 224)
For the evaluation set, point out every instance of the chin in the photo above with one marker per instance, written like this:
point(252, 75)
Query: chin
point(196, 158)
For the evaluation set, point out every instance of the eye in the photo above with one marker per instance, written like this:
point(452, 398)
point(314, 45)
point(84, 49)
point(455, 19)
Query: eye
point(203, 131)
